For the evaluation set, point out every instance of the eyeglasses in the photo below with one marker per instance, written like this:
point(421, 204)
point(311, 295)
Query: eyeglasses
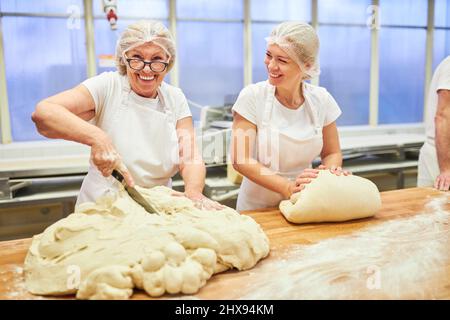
point(139, 64)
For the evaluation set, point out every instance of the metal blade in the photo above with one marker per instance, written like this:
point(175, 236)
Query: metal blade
point(134, 194)
point(139, 198)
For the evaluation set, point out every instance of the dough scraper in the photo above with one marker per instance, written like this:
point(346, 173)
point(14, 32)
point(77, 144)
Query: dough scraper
point(134, 194)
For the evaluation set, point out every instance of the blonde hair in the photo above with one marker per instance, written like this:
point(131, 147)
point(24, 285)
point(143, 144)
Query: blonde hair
point(300, 41)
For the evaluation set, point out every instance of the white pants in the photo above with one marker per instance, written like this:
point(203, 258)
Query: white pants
point(428, 168)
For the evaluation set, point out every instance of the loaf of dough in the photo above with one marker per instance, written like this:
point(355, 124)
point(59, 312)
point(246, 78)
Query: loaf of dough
point(106, 249)
point(332, 198)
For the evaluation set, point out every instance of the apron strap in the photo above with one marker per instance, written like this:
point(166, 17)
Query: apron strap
point(268, 104)
point(314, 115)
point(167, 109)
point(124, 100)
point(126, 89)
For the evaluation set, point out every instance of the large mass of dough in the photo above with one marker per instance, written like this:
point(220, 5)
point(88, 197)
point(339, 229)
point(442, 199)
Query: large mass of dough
point(104, 250)
point(333, 198)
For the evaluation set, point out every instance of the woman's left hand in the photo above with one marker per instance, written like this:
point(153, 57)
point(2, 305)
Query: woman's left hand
point(337, 170)
point(200, 201)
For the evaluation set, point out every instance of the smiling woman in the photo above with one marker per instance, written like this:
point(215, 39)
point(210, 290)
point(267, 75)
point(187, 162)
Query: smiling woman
point(146, 76)
point(146, 63)
point(281, 125)
point(132, 120)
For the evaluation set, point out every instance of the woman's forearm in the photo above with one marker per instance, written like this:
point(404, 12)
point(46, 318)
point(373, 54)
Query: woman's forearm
point(332, 159)
point(265, 177)
point(193, 175)
point(55, 121)
point(192, 168)
point(442, 131)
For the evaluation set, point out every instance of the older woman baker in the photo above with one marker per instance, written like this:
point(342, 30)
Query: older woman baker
point(131, 119)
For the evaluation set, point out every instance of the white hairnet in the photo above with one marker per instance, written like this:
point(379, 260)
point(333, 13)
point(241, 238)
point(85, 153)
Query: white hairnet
point(301, 43)
point(142, 32)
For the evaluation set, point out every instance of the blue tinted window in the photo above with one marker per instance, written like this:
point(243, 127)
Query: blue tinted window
point(345, 70)
point(105, 41)
point(442, 13)
point(210, 9)
point(259, 32)
point(136, 8)
point(42, 57)
point(42, 6)
point(403, 12)
point(281, 10)
point(343, 11)
point(441, 46)
point(210, 61)
point(402, 74)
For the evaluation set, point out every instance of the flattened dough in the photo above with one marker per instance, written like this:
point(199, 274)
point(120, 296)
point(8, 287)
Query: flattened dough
point(333, 198)
point(106, 249)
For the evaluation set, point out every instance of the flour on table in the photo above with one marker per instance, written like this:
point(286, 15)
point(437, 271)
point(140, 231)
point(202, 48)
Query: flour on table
point(106, 249)
point(333, 198)
point(404, 258)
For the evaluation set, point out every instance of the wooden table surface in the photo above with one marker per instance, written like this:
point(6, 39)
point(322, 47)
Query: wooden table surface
point(282, 235)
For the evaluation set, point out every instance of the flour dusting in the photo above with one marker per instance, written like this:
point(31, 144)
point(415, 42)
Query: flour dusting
point(397, 259)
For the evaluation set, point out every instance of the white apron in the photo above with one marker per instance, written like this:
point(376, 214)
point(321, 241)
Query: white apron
point(146, 139)
point(428, 167)
point(284, 154)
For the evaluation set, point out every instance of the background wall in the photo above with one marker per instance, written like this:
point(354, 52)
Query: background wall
point(44, 45)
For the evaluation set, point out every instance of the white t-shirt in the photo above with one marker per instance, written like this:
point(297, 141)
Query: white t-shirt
point(440, 80)
point(106, 90)
point(293, 122)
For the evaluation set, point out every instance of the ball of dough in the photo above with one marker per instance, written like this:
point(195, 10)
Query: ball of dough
point(192, 273)
point(173, 278)
point(154, 261)
point(154, 283)
point(175, 252)
point(333, 198)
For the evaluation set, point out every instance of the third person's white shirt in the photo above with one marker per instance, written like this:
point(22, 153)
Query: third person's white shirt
point(428, 166)
point(440, 80)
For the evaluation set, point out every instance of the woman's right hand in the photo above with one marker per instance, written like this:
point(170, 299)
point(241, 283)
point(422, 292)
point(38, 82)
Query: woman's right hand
point(105, 157)
point(302, 180)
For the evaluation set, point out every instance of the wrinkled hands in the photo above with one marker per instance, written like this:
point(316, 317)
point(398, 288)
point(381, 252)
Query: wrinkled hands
point(105, 157)
point(200, 201)
point(442, 181)
point(308, 174)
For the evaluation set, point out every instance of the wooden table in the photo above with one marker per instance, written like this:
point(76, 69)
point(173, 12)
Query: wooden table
point(282, 235)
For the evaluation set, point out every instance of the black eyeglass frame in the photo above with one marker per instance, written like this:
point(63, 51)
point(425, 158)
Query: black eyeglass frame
point(149, 63)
